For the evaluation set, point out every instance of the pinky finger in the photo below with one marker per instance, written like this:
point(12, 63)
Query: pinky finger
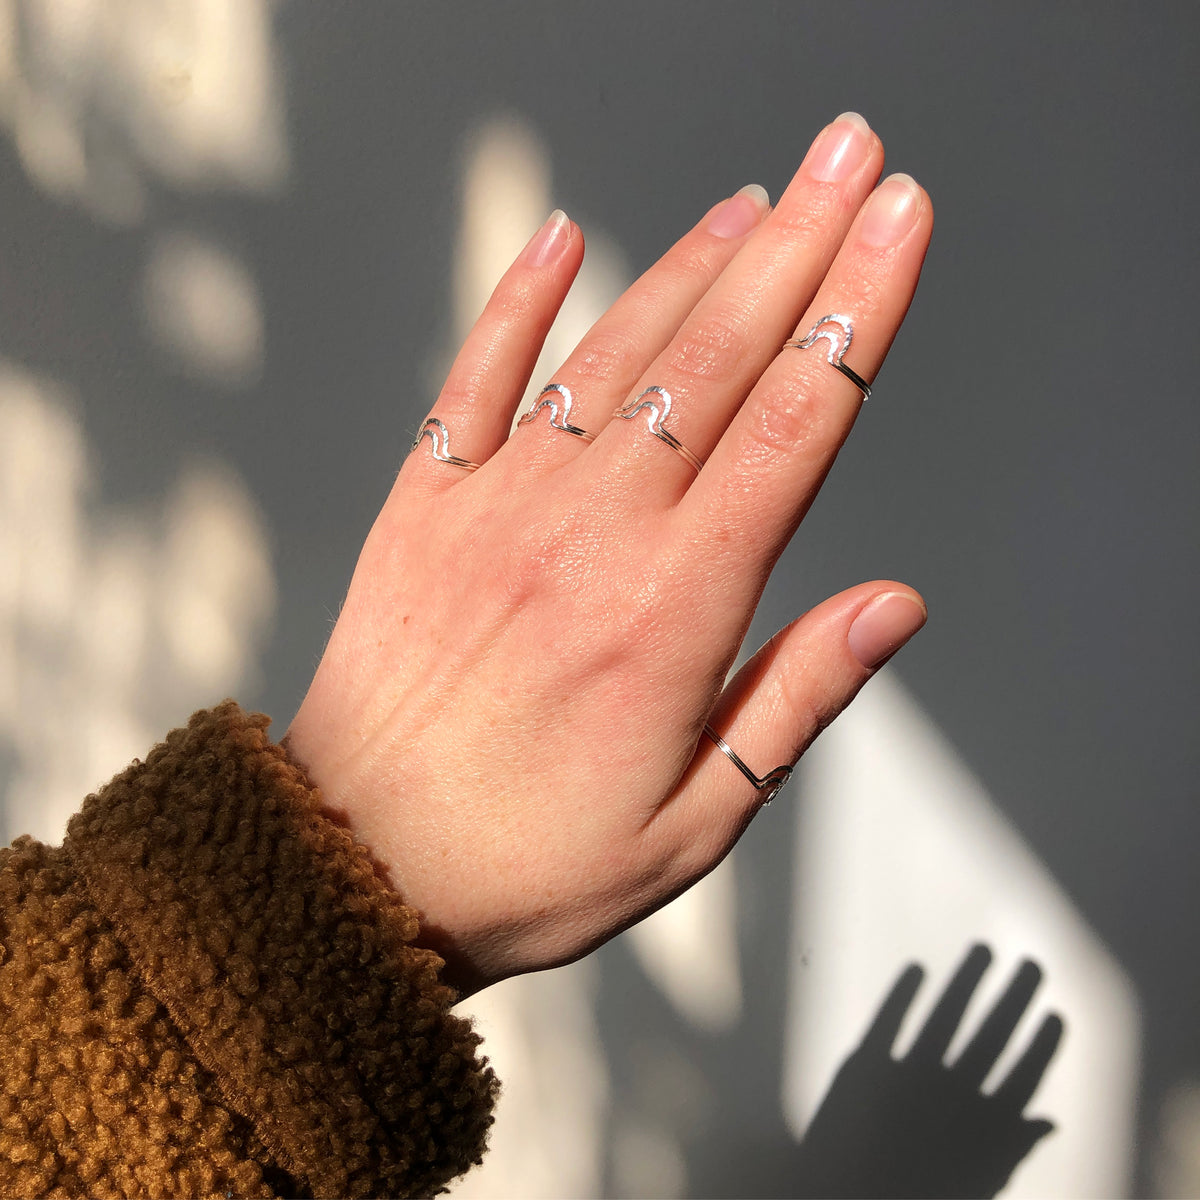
point(474, 411)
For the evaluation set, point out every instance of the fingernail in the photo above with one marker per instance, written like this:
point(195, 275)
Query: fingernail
point(741, 213)
point(549, 241)
point(840, 149)
point(891, 211)
point(884, 626)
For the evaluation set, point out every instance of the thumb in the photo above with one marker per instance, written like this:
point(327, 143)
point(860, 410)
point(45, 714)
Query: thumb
point(774, 707)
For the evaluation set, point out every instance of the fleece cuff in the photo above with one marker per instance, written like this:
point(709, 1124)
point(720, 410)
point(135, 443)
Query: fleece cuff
point(266, 932)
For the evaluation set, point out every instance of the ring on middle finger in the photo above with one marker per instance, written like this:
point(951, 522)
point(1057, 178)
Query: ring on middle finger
point(656, 403)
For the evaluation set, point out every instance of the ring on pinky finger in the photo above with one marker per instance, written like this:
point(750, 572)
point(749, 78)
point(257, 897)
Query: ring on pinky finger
point(439, 440)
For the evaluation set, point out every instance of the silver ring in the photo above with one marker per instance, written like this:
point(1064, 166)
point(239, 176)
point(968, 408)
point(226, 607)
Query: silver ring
point(558, 420)
point(439, 438)
point(657, 410)
point(769, 783)
point(838, 345)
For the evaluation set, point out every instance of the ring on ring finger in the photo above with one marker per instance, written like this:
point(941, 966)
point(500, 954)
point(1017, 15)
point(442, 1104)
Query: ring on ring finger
point(560, 411)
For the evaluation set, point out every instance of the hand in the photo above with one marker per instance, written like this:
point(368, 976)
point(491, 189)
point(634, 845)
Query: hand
point(916, 1127)
point(510, 709)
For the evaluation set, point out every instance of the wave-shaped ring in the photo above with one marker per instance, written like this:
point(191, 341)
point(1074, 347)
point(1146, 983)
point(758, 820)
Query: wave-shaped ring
point(839, 343)
point(657, 409)
point(558, 416)
point(439, 438)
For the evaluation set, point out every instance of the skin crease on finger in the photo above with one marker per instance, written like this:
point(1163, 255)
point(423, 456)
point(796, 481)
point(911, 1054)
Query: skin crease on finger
point(736, 329)
point(509, 711)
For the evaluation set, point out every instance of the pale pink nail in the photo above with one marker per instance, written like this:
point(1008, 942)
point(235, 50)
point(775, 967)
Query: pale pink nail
point(890, 212)
point(549, 241)
point(741, 213)
point(840, 149)
point(884, 626)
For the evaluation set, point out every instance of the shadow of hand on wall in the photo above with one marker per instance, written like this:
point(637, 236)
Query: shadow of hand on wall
point(914, 1126)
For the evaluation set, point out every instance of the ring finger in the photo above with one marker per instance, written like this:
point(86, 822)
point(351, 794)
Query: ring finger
point(613, 354)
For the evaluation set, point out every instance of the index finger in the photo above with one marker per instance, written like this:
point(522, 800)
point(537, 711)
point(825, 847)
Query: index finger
point(767, 468)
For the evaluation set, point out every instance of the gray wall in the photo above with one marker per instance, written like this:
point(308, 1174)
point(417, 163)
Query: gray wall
point(1030, 460)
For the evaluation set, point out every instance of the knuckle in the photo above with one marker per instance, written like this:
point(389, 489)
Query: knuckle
point(867, 290)
point(803, 224)
point(604, 356)
point(535, 553)
point(710, 351)
point(511, 302)
point(551, 556)
point(785, 420)
point(459, 394)
point(807, 706)
point(686, 262)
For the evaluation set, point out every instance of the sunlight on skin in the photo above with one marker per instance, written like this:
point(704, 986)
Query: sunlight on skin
point(540, 1031)
point(550, 1121)
point(901, 856)
point(114, 623)
point(689, 950)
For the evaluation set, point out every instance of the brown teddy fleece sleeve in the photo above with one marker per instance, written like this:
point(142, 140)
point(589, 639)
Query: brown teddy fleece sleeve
point(208, 990)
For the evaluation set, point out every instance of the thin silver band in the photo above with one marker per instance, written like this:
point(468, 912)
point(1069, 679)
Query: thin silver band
point(838, 345)
point(558, 418)
point(769, 783)
point(657, 409)
point(439, 439)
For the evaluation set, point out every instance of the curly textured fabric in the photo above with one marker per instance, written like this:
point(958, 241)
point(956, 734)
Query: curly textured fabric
point(208, 991)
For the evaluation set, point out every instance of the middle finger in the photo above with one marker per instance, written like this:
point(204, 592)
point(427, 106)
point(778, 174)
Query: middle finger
point(693, 388)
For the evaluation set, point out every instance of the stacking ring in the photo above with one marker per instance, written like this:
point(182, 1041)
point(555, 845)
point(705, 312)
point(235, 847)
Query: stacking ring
point(439, 438)
point(558, 419)
point(658, 408)
point(839, 343)
point(770, 783)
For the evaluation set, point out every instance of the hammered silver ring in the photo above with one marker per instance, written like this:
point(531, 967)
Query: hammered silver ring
point(839, 343)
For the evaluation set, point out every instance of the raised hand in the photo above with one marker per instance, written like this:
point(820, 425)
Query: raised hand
point(511, 708)
point(917, 1126)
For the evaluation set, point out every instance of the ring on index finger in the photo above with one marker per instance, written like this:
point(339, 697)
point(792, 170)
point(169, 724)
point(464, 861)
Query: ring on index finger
point(839, 343)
